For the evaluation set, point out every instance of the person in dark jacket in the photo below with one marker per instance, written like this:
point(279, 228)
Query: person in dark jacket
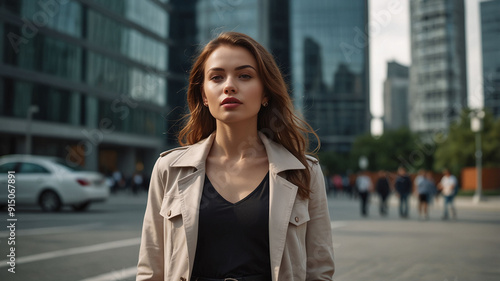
point(383, 190)
point(403, 188)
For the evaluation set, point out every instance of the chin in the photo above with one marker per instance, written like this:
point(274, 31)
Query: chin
point(236, 119)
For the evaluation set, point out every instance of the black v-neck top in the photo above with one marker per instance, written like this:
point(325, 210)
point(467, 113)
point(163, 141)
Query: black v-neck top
point(233, 238)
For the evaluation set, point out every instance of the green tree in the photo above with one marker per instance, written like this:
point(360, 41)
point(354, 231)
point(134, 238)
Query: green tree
point(458, 149)
point(334, 162)
point(390, 150)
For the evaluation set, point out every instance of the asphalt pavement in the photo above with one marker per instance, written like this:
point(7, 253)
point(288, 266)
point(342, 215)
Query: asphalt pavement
point(391, 248)
point(102, 244)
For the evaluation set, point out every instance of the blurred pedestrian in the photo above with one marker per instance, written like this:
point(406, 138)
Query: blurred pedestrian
point(403, 188)
point(447, 185)
point(110, 180)
point(424, 186)
point(119, 181)
point(346, 184)
point(337, 184)
point(383, 190)
point(419, 178)
point(364, 185)
point(137, 182)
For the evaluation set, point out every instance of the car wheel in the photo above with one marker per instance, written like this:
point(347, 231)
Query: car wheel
point(50, 202)
point(81, 207)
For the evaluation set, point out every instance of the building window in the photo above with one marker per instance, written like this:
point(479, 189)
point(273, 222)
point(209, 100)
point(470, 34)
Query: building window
point(142, 13)
point(106, 33)
point(65, 17)
point(46, 55)
point(55, 105)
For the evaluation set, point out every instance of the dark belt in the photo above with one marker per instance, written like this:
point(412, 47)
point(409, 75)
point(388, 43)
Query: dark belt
point(247, 278)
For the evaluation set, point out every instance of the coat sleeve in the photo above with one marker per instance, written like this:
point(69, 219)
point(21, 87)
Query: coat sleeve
point(151, 265)
point(319, 244)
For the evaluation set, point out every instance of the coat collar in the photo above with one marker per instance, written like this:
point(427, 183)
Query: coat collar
point(280, 159)
point(282, 194)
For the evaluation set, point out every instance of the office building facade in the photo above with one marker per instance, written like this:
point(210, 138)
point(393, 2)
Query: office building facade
point(330, 68)
point(438, 74)
point(396, 96)
point(321, 48)
point(91, 75)
point(490, 35)
point(266, 21)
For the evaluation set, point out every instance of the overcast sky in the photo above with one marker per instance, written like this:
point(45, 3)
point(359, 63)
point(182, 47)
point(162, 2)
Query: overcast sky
point(390, 40)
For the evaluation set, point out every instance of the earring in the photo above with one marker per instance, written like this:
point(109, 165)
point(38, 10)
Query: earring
point(265, 104)
point(205, 104)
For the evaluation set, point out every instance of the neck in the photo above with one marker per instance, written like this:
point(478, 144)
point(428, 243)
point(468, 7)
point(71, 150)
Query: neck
point(237, 141)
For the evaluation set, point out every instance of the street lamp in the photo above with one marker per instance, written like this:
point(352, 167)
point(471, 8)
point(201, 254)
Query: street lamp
point(363, 162)
point(476, 125)
point(31, 110)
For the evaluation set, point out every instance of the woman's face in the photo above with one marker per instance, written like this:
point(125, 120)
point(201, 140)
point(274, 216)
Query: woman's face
point(232, 87)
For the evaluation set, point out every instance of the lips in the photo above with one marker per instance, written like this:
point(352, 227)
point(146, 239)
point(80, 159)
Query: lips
point(230, 100)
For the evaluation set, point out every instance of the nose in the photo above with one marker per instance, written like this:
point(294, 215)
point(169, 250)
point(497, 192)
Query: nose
point(229, 88)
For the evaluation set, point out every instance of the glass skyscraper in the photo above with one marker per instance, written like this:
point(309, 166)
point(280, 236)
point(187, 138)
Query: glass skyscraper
point(490, 35)
point(330, 68)
point(97, 70)
point(396, 96)
point(214, 17)
point(321, 47)
point(267, 21)
point(438, 74)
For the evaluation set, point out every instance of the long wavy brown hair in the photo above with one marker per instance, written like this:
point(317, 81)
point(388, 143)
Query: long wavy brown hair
point(278, 120)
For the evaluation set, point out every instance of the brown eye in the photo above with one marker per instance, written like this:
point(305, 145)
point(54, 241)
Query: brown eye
point(215, 78)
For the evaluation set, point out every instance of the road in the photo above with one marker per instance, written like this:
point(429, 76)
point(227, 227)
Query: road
point(103, 243)
point(95, 245)
point(390, 248)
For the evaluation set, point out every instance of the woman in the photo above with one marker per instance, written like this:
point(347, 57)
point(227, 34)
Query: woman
point(239, 200)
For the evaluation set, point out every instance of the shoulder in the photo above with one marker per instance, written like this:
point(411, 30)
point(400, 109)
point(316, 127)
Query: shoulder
point(312, 160)
point(314, 165)
point(173, 150)
point(168, 156)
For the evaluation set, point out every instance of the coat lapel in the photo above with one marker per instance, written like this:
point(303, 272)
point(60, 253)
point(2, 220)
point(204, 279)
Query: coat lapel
point(190, 189)
point(282, 194)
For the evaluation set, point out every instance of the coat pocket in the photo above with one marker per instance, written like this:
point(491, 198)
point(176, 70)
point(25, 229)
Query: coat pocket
point(300, 214)
point(295, 247)
point(171, 208)
point(174, 234)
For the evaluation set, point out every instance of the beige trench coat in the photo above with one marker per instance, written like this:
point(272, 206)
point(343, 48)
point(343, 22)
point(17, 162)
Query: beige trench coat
point(300, 237)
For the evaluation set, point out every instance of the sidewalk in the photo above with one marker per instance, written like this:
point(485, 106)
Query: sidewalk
point(488, 202)
point(381, 248)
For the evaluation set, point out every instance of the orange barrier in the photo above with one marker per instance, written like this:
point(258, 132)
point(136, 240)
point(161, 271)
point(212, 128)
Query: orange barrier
point(490, 178)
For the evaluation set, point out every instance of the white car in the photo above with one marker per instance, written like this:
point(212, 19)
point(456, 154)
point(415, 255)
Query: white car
point(48, 182)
